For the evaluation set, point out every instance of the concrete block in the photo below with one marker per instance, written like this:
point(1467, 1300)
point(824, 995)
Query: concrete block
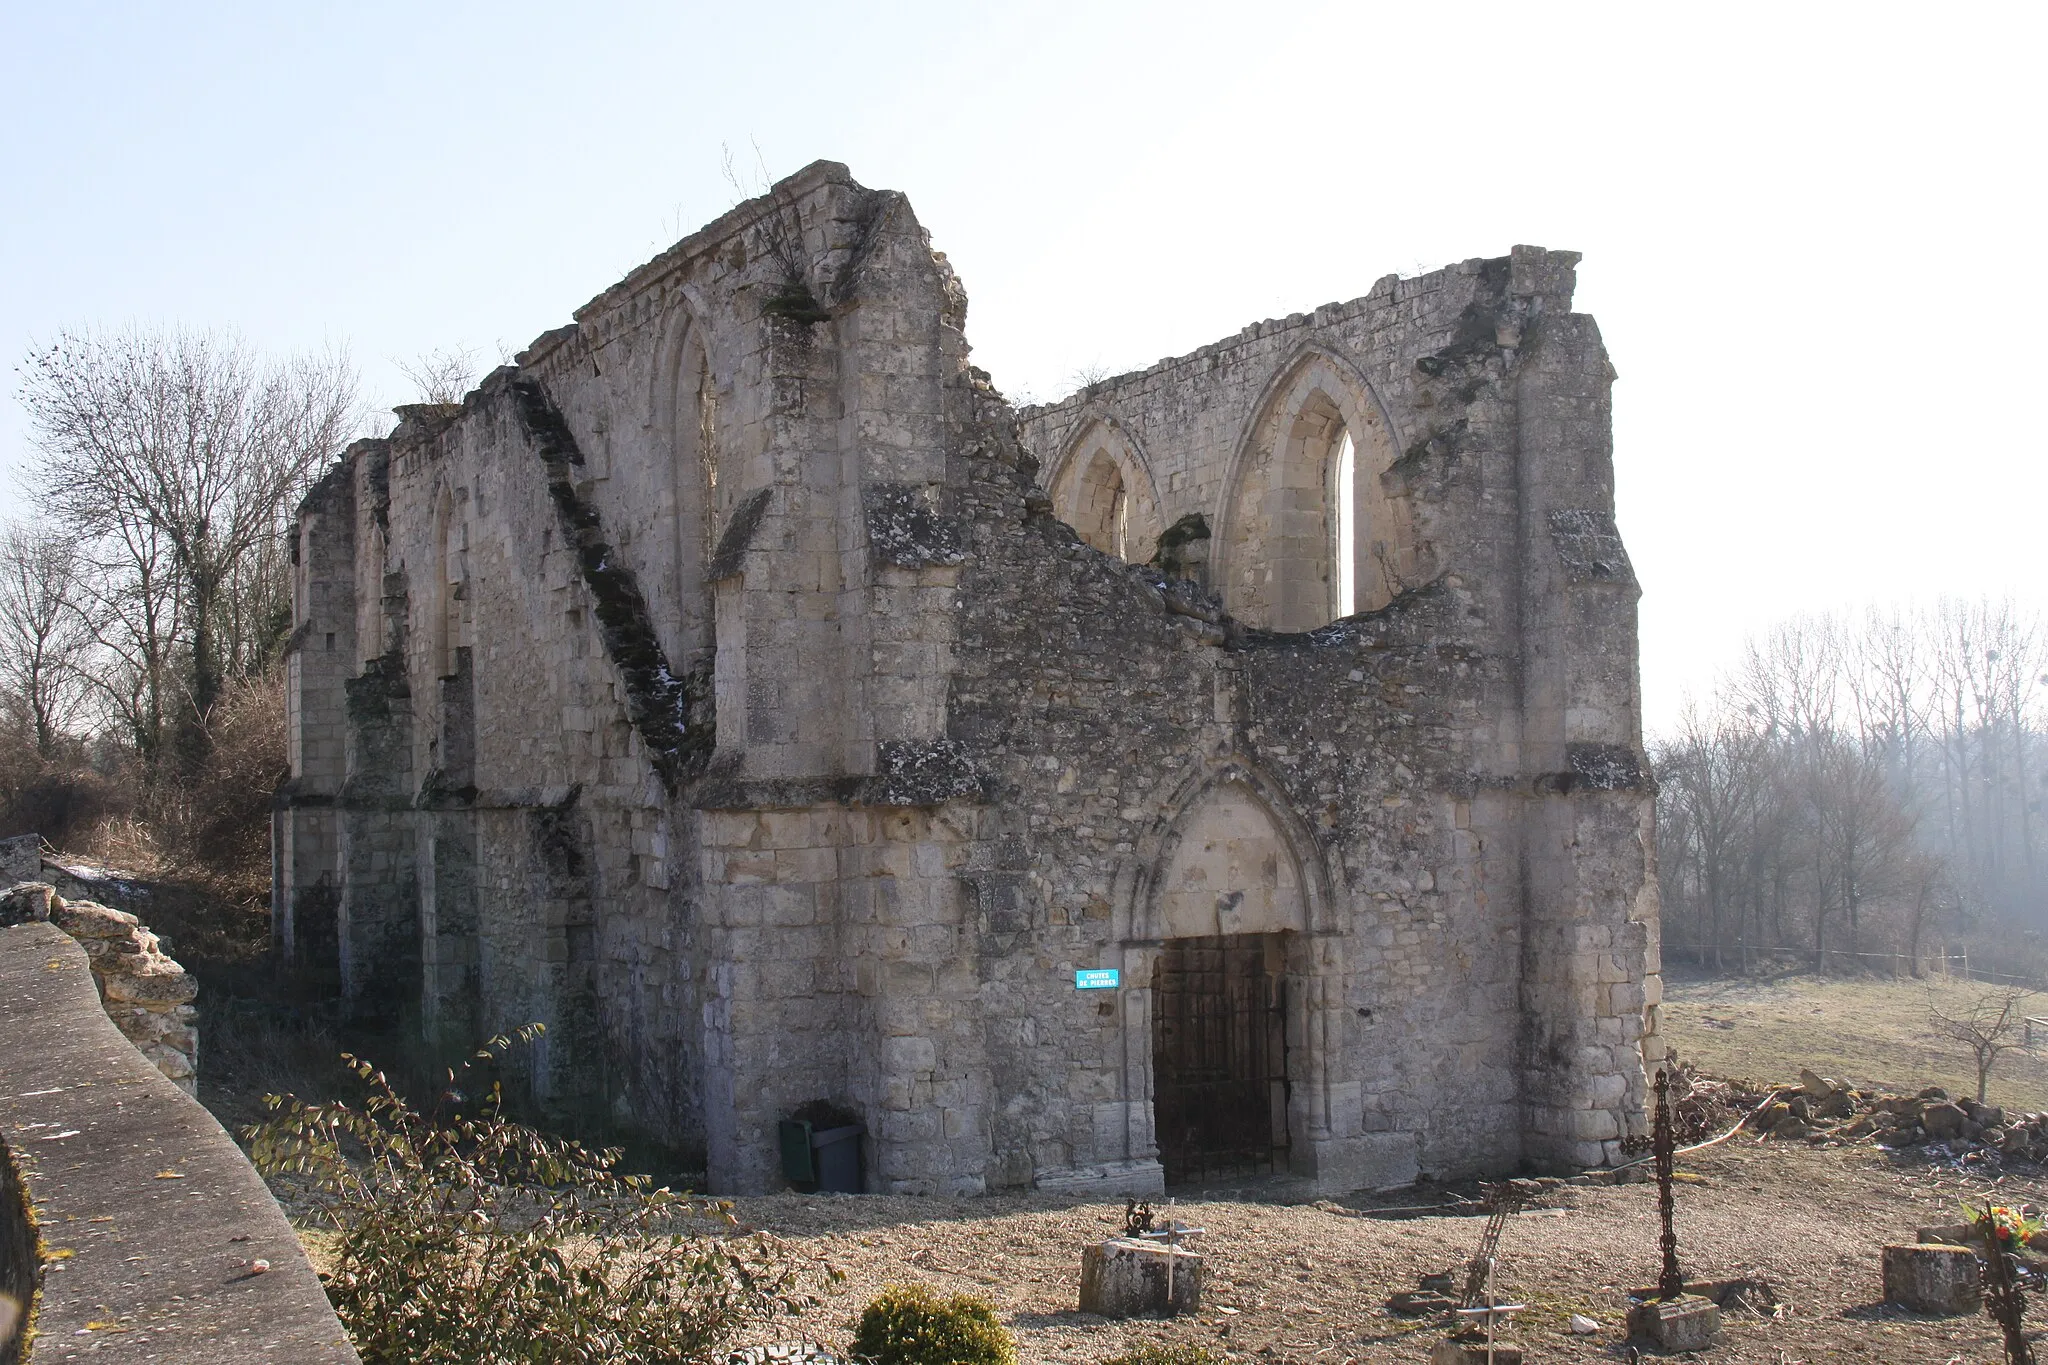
point(1115, 1179)
point(1370, 1161)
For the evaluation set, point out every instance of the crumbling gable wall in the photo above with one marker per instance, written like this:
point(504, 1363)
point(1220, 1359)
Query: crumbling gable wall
point(1467, 753)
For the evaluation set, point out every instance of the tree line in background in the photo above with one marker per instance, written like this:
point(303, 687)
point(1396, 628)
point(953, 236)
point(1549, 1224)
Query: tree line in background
point(145, 607)
point(1861, 791)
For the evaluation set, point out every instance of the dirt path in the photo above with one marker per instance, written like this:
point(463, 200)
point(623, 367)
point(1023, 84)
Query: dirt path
point(1308, 1283)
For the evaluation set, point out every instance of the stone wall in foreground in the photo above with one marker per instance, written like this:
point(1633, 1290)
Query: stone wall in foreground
point(146, 994)
point(149, 1225)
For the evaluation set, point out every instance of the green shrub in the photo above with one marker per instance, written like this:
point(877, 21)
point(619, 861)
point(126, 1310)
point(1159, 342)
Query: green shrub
point(468, 1239)
point(907, 1324)
point(1154, 1354)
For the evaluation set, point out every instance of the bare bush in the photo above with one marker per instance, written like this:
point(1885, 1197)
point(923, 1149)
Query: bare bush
point(441, 376)
point(222, 814)
point(62, 796)
point(464, 1237)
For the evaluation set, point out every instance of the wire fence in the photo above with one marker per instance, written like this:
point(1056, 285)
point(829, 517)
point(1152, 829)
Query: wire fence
point(1942, 966)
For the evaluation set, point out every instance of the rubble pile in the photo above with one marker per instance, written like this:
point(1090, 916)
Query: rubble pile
point(1823, 1111)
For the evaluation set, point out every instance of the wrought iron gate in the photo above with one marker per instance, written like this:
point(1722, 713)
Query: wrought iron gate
point(1219, 1056)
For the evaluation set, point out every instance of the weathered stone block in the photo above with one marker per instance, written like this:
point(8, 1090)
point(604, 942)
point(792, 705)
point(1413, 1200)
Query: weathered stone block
point(1686, 1323)
point(25, 902)
point(1929, 1278)
point(85, 920)
point(1123, 1278)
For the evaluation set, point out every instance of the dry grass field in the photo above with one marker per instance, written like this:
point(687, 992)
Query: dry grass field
point(1869, 1031)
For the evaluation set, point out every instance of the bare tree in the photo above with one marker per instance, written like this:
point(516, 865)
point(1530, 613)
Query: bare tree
point(1992, 1023)
point(131, 601)
point(1861, 783)
point(1924, 877)
point(1861, 835)
point(45, 640)
point(1708, 787)
point(179, 455)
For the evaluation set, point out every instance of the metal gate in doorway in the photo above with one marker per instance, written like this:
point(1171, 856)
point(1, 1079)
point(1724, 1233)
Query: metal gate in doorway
point(1219, 1056)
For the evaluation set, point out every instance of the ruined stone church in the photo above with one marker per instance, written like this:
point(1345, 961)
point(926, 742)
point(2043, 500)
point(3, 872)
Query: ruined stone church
point(1233, 766)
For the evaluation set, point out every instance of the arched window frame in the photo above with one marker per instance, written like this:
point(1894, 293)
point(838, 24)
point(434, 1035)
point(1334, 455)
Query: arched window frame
point(1278, 521)
point(1119, 516)
point(450, 595)
point(685, 411)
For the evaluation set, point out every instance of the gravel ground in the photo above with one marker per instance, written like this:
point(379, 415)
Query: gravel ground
point(1308, 1282)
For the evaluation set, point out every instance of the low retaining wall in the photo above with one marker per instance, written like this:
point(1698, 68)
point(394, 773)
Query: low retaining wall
point(149, 1220)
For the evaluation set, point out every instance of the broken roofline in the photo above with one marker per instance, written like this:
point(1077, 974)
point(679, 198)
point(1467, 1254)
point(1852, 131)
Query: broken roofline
point(742, 216)
point(1394, 288)
point(719, 230)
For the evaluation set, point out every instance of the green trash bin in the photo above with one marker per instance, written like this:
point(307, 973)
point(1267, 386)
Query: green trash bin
point(798, 1166)
point(821, 1159)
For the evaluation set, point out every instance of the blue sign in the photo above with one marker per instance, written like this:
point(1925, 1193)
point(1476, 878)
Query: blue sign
point(1103, 979)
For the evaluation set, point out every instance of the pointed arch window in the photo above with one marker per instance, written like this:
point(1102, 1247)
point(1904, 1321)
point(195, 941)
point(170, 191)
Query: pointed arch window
point(1344, 501)
point(697, 498)
point(1310, 531)
point(707, 438)
point(450, 587)
point(1102, 491)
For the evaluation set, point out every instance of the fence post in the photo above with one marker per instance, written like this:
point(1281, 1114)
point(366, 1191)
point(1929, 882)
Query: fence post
point(1966, 962)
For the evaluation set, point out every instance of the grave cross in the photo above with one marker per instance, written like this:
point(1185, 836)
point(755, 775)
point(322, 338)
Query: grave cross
point(1170, 1235)
point(1504, 1199)
point(1671, 1284)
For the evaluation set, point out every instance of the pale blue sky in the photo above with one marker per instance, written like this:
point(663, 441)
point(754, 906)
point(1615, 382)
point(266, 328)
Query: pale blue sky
point(1812, 232)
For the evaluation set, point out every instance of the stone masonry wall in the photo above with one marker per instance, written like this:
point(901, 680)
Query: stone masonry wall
point(719, 686)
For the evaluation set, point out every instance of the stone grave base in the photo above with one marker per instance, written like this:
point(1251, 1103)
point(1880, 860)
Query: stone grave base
point(1932, 1278)
point(1686, 1323)
point(1125, 1277)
